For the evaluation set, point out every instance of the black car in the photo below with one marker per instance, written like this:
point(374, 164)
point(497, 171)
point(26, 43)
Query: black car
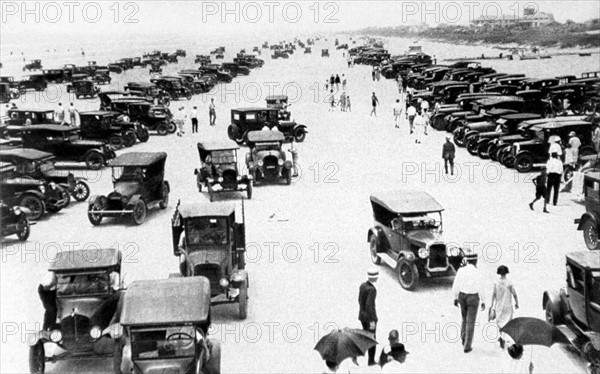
point(107, 126)
point(173, 88)
point(17, 118)
point(236, 68)
point(14, 221)
point(33, 65)
point(266, 161)
point(245, 120)
point(149, 90)
point(83, 88)
point(152, 117)
point(66, 145)
point(589, 222)
point(57, 75)
point(31, 163)
point(32, 81)
point(480, 108)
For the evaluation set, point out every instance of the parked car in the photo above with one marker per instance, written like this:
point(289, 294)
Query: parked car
point(173, 88)
point(279, 102)
point(87, 295)
point(407, 236)
point(14, 221)
point(57, 75)
point(467, 128)
point(64, 143)
point(164, 328)
point(38, 196)
point(479, 143)
point(106, 126)
point(83, 88)
point(152, 117)
point(5, 93)
point(324, 52)
point(33, 65)
point(236, 68)
point(32, 81)
point(138, 180)
point(589, 222)
point(17, 118)
point(219, 171)
point(150, 90)
point(102, 76)
point(575, 309)
point(266, 160)
point(245, 120)
point(211, 243)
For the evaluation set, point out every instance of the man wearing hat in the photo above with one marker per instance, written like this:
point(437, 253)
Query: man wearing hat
point(448, 152)
point(574, 144)
point(367, 314)
point(468, 290)
point(554, 168)
point(394, 352)
point(194, 117)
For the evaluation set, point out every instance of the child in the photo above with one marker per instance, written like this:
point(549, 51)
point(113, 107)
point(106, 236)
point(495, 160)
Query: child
point(540, 190)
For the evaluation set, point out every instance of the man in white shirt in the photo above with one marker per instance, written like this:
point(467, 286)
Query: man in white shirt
point(60, 114)
point(574, 144)
point(468, 290)
point(555, 146)
point(194, 117)
point(419, 127)
point(180, 117)
point(411, 112)
point(554, 168)
point(397, 112)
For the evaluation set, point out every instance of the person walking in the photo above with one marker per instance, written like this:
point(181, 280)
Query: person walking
point(468, 291)
point(541, 192)
point(60, 114)
point(344, 82)
point(331, 81)
point(448, 153)
point(397, 113)
point(331, 101)
point(348, 107)
point(555, 146)
point(377, 73)
point(573, 150)
point(72, 116)
point(374, 103)
point(194, 117)
point(338, 81)
point(367, 315)
point(425, 114)
point(411, 112)
point(399, 81)
point(180, 120)
point(419, 126)
point(501, 305)
point(343, 101)
point(212, 112)
point(373, 74)
point(554, 168)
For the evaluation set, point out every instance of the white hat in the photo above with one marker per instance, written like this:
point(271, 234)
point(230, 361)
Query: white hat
point(373, 273)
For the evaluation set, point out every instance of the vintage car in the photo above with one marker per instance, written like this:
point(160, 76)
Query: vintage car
point(34, 164)
point(152, 117)
point(530, 153)
point(479, 109)
point(324, 52)
point(211, 243)
point(244, 120)
point(32, 81)
point(102, 76)
point(106, 126)
point(173, 88)
point(150, 90)
point(279, 54)
point(33, 65)
point(17, 118)
point(14, 221)
point(219, 169)
point(467, 129)
point(164, 328)
point(88, 290)
point(5, 93)
point(57, 75)
point(236, 68)
point(83, 88)
point(575, 309)
point(266, 160)
point(220, 74)
point(589, 222)
point(138, 180)
point(114, 68)
point(64, 143)
point(38, 196)
point(279, 102)
point(407, 236)
point(155, 68)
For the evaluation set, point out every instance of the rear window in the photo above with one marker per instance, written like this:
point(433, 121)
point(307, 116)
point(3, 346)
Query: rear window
point(251, 116)
point(236, 116)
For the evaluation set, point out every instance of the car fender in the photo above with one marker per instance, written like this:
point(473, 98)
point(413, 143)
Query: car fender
point(80, 179)
point(588, 216)
point(379, 234)
point(134, 199)
point(36, 193)
point(39, 336)
point(238, 277)
point(300, 126)
point(555, 298)
point(92, 199)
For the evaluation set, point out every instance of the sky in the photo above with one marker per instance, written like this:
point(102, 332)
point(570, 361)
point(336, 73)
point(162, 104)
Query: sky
point(261, 19)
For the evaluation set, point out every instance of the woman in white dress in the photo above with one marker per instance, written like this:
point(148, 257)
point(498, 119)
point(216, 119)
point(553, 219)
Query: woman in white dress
point(502, 297)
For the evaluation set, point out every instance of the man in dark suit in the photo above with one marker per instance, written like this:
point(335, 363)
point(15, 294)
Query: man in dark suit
point(367, 314)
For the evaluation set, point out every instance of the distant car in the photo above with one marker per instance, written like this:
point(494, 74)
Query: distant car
point(83, 88)
point(164, 328)
point(244, 120)
point(325, 53)
point(33, 65)
point(106, 126)
point(211, 243)
point(138, 180)
point(32, 81)
point(219, 169)
point(14, 221)
point(266, 160)
point(407, 236)
point(57, 75)
point(17, 118)
point(152, 117)
point(102, 76)
point(279, 102)
point(173, 87)
point(88, 289)
point(150, 90)
point(589, 222)
point(235, 67)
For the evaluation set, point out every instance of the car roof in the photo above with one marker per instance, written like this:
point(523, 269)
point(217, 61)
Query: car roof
point(114, 92)
point(99, 113)
point(220, 209)
point(141, 84)
point(217, 145)
point(556, 119)
point(521, 116)
point(138, 158)
point(406, 201)
point(85, 259)
point(166, 301)
point(276, 97)
point(557, 125)
point(587, 259)
point(25, 154)
point(252, 109)
point(19, 110)
point(61, 128)
point(265, 136)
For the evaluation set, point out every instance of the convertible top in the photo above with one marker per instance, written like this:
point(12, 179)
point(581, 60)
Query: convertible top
point(19, 110)
point(166, 301)
point(85, 259)
point(588, 259)
point(265, 136)
point(28, 154)
point(406, 201)
point(138, 159)
point(218, 145)
point(557, 125)
point(99, 113)
point(206, 209)
point(521, 116)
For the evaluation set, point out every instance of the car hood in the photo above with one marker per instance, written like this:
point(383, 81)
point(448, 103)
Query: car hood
point(88, 143)
point(127, 189)
point(480, 125)
point(272, 152)
point(84, 306)
point(424, 238)
point(212, 256)
point(161, 366)
point(22, 181)
point(528, 143)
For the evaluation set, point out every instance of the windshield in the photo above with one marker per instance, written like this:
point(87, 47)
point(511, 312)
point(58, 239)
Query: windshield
point(69, 285)
point(266, 146)
point(539, 135)
point(203, 231)
point(128, 173)
point(223, 157)
point(427, 221)
point(175, 342)
point(46, 167)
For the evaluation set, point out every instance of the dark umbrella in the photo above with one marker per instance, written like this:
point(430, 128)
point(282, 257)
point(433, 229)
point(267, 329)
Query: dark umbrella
point(339, 345)
point(533, 331)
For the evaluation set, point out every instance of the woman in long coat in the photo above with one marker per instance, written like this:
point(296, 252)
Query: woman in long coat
point(502, 300)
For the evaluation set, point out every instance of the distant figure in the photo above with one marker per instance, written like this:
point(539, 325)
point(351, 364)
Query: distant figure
point(332, 101)
point(60, 114)
point(194, 117)
point(326, 84)
point(180, 120)
point(448, 153)
point(212, 113)
point(411, 112)
point(344, 82)
point(541, 191)
point(367, 314)
point(348, 107)
point(373, 74)
point(419, 127)
point(331, 81)
point(72, 115)
point(555, 146)
point(502, 298)
point(343, 101)
point(392, 353)
point(397, 113)
point(573, 150)
point(374, 103)
point(554, 168)
point(338, 81)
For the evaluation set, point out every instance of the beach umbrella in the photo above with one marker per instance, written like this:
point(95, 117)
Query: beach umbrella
point(339, 345)
point(534, 331)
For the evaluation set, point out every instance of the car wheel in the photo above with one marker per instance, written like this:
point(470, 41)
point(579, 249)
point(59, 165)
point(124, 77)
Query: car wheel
point(458, 139)
point(116, 141)
point(523, 163)
point(81, 191)
point(23, 228)
point(139, 212)
point(568, 173)
point(233, 132)
point(164, 202)
point(129, 138)
point(243, 300)
point(35, 205)
point(188, 96)
point(438, 123)
point(492, 152)
point(163, 129)
point(213, 366)
point(472, 146)
point(299, 135)
point(408, 274)
point(172, 126)
point(94, 161)
point(37, 359)
point(590, 235)
point(249, 190)
point(94, 218)
point(482, 151)
point(553, 315)
point(508, 161)
point(373, 250)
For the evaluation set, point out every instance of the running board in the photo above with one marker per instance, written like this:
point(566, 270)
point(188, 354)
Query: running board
point(387, 259)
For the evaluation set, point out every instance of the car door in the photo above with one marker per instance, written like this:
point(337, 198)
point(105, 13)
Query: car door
point(593, 297)
point(576, 291)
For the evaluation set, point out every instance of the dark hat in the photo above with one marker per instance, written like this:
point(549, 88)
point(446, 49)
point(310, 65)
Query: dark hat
point(398, 350)
point(515, 351)
point(393, 335)
point(502, 270)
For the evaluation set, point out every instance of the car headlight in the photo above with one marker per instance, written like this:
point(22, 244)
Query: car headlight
point(53, 185)
point(220, 179)
point(423, 252)
point(116, 331)
point(280, 162)
point(260, 163)
point(223, 282)
point(410, 257)
point(96, 332)
point(56, 336)
point(16, 210)
point(42, 189)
